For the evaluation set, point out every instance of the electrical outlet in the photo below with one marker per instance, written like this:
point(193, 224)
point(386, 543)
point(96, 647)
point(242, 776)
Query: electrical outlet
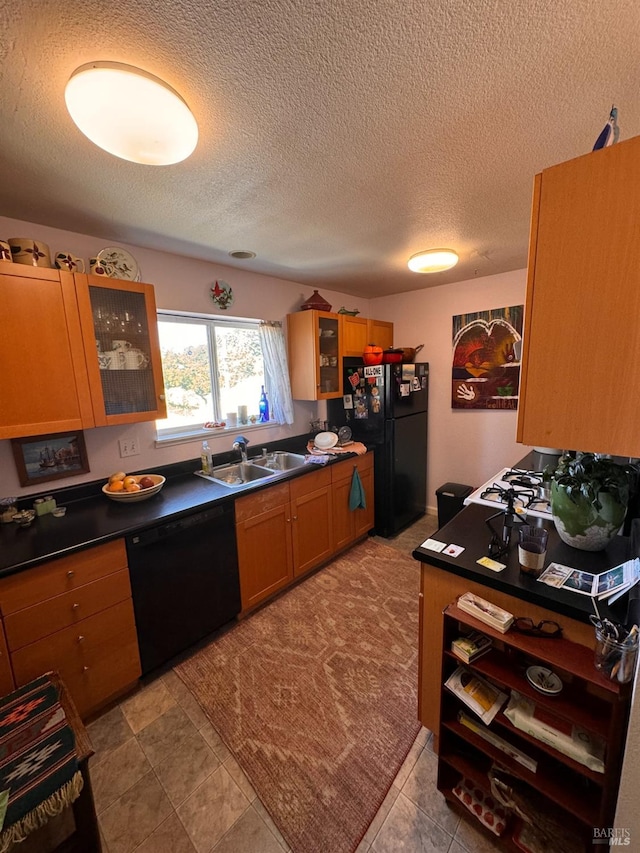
point(129, 446)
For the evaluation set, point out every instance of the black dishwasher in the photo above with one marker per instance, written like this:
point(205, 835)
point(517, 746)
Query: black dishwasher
point(184, 581)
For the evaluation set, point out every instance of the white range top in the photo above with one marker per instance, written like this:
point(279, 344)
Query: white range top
point(524, 483)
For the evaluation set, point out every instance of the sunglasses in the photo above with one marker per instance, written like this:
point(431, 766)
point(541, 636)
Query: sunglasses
point(546, 628)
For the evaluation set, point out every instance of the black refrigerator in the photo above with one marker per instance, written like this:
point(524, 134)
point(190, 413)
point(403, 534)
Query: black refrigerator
point(386, 408)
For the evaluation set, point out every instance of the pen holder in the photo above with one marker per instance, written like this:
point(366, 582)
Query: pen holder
point(616, 661)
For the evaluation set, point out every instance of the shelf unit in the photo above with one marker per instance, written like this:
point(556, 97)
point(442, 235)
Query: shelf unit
point(577, 797)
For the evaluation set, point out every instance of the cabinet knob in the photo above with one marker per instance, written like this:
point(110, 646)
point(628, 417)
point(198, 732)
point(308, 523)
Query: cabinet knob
point(80, 638)
point(75, 606)
point(85, 668)
point(161, 396)
point(295, 517)
point(70, 573)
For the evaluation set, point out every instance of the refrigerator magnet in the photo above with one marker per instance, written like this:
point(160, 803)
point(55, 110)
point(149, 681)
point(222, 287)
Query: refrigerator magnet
point(408, 372)
point(415, 383)
point(373, 370)
point(347, 401)
point(354, 379)
point(405, 389)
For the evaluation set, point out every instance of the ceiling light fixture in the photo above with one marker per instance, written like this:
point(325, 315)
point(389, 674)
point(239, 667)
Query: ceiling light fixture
point(433, 260)
point(131, 114)
point(242, 254)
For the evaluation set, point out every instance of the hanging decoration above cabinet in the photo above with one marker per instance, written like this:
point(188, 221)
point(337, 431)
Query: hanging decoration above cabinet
point(222, 294)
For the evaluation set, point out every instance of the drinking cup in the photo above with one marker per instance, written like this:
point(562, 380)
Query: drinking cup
point(5, 251)
point(231, 419)
point(104, 360)
point(97, 267)
point(34, 253)
point(243, 417)
point(134, 359)
point(67, 261)
point(532, 549)
point(121, 345)
point(117, 360)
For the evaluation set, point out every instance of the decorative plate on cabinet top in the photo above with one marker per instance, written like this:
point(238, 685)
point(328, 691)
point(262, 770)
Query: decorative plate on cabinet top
point(122, 263)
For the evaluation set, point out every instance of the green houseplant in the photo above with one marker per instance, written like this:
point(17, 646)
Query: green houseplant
point(589, 498)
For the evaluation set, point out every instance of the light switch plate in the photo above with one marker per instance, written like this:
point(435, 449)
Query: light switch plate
point(129, 446)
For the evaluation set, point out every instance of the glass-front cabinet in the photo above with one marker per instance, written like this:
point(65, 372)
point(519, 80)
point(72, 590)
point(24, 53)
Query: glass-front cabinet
point(125, 371)
point(315, 354)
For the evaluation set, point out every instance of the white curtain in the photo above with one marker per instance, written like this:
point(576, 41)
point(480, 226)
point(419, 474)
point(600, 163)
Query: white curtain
point(274, 353)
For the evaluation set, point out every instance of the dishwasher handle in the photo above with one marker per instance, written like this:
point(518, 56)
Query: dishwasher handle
point(162, 531)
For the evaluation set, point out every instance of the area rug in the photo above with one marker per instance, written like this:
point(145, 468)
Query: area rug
point(316, 695)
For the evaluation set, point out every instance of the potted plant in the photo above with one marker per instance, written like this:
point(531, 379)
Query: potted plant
point(589, 498)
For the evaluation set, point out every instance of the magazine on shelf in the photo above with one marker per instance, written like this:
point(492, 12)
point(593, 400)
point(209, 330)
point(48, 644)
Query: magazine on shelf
point(614, 581)
point(499, 743)
point(485, 611)
point(477, 693)
point(471, 647)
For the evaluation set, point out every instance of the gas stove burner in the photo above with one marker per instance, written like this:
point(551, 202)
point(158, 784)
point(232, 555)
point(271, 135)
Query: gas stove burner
point(520, 496)
point(526, 479)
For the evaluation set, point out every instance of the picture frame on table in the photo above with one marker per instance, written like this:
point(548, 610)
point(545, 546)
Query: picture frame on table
point(42, 458)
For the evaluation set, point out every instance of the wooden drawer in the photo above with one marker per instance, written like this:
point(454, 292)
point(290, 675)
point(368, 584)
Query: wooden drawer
point(309, 483)
point(264, 501)
point(96, 659)
point(54, 614)
point(344, 470)
point(59, 576)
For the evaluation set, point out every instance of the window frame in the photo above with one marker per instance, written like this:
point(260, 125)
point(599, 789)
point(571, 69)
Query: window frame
point(176, 435)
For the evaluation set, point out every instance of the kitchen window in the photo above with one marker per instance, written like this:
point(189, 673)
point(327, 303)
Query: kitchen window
point(211, 366)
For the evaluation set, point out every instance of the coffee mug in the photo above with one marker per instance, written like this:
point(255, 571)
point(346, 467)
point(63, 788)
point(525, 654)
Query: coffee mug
point(117, 360)
point(134, 359)
point(5, 251)
point(121, 345)
point(34, 253)
point(97, 267)
point(67, 261)
point(104, 360)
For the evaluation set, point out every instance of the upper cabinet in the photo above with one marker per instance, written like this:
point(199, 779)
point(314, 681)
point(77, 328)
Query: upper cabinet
point(120, 328)
point(318, 340)
point(58, 333)
point(43, 376)
point(357, 332)
point(581, 338)
point(315, 355)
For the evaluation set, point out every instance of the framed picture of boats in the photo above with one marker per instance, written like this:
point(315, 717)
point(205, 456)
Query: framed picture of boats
point(41, 458)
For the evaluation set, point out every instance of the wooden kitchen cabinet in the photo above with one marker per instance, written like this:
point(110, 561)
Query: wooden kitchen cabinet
point(74, 615)
point(112, 310)
point(263, 535)
point(44, 384)
point(311, 520)
point(351, 525)
point(581, 335)
point(7, 683)
point(357, 332)
point(314, 340)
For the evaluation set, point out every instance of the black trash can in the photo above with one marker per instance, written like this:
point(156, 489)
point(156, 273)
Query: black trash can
point(451, 500)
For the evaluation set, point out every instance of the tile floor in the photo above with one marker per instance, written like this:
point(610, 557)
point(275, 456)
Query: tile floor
point(165, 783)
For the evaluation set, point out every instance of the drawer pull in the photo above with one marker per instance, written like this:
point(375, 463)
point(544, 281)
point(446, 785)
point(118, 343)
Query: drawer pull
point(75, 606)
point(85, 668)
point(70, 573)
point(80, 638)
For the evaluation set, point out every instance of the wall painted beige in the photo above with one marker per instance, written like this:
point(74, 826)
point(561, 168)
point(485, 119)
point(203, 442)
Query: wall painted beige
point(181, 284)
point(463, 446)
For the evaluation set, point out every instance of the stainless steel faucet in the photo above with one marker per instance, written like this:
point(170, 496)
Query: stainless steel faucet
point(241, 444)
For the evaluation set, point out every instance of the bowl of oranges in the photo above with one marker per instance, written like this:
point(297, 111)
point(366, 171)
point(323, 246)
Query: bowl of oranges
point(132, 487)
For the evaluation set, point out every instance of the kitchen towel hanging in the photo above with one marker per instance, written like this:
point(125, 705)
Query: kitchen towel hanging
point(357, 499)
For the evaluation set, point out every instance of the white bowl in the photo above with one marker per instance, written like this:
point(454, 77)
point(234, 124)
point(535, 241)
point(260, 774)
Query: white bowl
point(142, 495)
point(325, 440)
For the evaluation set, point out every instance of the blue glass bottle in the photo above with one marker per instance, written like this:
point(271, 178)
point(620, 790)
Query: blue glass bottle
point(263, 407)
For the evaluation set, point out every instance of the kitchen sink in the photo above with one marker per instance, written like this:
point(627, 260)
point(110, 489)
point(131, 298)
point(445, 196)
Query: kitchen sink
point(239, 474)
point(281, 460)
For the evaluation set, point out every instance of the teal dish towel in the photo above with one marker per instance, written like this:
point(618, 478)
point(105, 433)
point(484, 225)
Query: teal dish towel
point(357, 499)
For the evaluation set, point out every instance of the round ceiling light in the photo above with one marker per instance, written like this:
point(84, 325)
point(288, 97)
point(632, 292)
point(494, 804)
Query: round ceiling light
point(433, 260)
point(131, 114)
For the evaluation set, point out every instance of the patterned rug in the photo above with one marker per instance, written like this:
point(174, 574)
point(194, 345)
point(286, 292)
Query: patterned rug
point(316, 695)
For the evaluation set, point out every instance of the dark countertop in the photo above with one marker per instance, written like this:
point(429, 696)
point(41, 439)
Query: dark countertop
point(92, 518)
point(468, 529)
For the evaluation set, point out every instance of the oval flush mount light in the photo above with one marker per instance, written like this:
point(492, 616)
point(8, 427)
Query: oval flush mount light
point(433, 260)
point(131, 113)
point(242, 254)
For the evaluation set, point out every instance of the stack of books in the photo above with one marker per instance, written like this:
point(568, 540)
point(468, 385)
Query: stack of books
point(471, 647)
point(486, 612)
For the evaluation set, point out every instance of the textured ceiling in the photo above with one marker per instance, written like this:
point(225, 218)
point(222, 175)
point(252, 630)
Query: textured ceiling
point(336, 138)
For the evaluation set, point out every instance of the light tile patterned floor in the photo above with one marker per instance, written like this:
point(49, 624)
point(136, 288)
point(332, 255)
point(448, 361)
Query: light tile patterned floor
point(165, 783)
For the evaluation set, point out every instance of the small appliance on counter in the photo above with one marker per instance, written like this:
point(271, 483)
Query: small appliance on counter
point(385, 407)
